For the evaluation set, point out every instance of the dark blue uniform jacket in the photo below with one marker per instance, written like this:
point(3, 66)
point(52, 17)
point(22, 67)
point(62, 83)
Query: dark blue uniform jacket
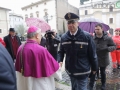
point(80, 53)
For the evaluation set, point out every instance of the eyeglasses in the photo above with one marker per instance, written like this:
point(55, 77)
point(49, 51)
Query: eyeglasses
point(71, 22)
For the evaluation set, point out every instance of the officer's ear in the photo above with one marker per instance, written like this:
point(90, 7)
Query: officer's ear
point(78, 23)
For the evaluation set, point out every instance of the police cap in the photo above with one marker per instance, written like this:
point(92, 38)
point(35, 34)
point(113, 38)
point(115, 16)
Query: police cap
point(71, 16)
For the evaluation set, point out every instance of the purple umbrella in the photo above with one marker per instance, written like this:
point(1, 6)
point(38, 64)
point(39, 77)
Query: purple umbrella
point(88, 24)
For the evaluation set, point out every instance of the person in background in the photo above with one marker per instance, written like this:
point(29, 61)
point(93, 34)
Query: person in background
point(116, 53)
point(43, 41)
point(12, 43)
point(52, 43)
point(81, 58)
point(104, 45)
point(35, 66)
point(2, 42)
point(7, 71)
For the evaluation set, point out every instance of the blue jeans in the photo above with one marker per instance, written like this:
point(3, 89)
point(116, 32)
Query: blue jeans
point(79, 84)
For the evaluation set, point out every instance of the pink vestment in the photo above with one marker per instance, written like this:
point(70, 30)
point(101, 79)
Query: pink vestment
point(37, 61)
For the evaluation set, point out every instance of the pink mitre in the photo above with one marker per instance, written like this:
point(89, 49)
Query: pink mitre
point(32, 29)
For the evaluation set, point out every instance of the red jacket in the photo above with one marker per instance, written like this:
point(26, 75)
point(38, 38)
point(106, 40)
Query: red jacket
point(2, 42)
point(116, 40)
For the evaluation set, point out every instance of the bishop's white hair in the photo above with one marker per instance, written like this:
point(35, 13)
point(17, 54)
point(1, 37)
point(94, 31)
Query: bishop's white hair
point(31, 35)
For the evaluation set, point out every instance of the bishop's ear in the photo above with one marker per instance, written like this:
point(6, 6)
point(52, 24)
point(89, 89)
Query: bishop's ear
point(38, 36)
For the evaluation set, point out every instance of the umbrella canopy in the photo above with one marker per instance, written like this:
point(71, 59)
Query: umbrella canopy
point(38, 23)
point(88, 24)
point(91, 19)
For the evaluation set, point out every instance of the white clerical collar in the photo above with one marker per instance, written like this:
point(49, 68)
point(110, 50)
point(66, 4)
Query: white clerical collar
point(74, 33)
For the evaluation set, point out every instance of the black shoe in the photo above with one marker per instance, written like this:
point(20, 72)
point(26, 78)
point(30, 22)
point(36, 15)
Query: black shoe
point(114, 69)
point(103, 87)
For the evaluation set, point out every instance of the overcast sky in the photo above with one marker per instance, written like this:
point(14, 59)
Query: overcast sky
point(17, 4)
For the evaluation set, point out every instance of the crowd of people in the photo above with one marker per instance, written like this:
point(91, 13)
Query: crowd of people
point(34, 64)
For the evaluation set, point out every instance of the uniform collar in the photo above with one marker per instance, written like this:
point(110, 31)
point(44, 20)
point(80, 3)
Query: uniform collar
point(74, 33)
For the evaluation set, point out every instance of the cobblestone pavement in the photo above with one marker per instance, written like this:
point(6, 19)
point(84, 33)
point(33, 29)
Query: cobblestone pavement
point(113, 81)
point(65, 83)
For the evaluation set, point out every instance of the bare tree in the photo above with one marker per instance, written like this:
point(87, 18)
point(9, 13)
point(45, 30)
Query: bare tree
point(21, 29)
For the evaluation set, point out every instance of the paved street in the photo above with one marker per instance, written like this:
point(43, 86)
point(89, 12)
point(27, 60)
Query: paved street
point(113, 80)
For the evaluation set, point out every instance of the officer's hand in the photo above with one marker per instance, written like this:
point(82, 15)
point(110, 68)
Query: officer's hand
point(45, 35)
point(94, 72)
point(60, 64)
point(53, 37)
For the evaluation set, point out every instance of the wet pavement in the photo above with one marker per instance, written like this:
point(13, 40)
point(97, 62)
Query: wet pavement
point(112, 83)
point(65, 83)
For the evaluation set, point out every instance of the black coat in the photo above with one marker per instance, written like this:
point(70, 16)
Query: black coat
point(80, 53)
point(104, 45)
point(7, 71)
point(52, 46)
point(43, 42)
point(9, 44)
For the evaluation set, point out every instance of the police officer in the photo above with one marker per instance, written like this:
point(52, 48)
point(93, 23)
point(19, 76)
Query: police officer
point(80, 51)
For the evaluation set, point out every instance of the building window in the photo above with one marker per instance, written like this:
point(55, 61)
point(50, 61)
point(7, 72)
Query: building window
point(31, 15)
point(111, 9)
point(31, 7)
point(37, 14)
point(45, 3)
point(46, 13)
point(36, 5)
point(26, 16)
point(86, 12)
point(45, 10)
point(26, 9)
point(111, 20)
point(0, 30)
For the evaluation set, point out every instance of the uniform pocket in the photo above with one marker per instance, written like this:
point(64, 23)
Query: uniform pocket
point(82, 50)
point(67, 47)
